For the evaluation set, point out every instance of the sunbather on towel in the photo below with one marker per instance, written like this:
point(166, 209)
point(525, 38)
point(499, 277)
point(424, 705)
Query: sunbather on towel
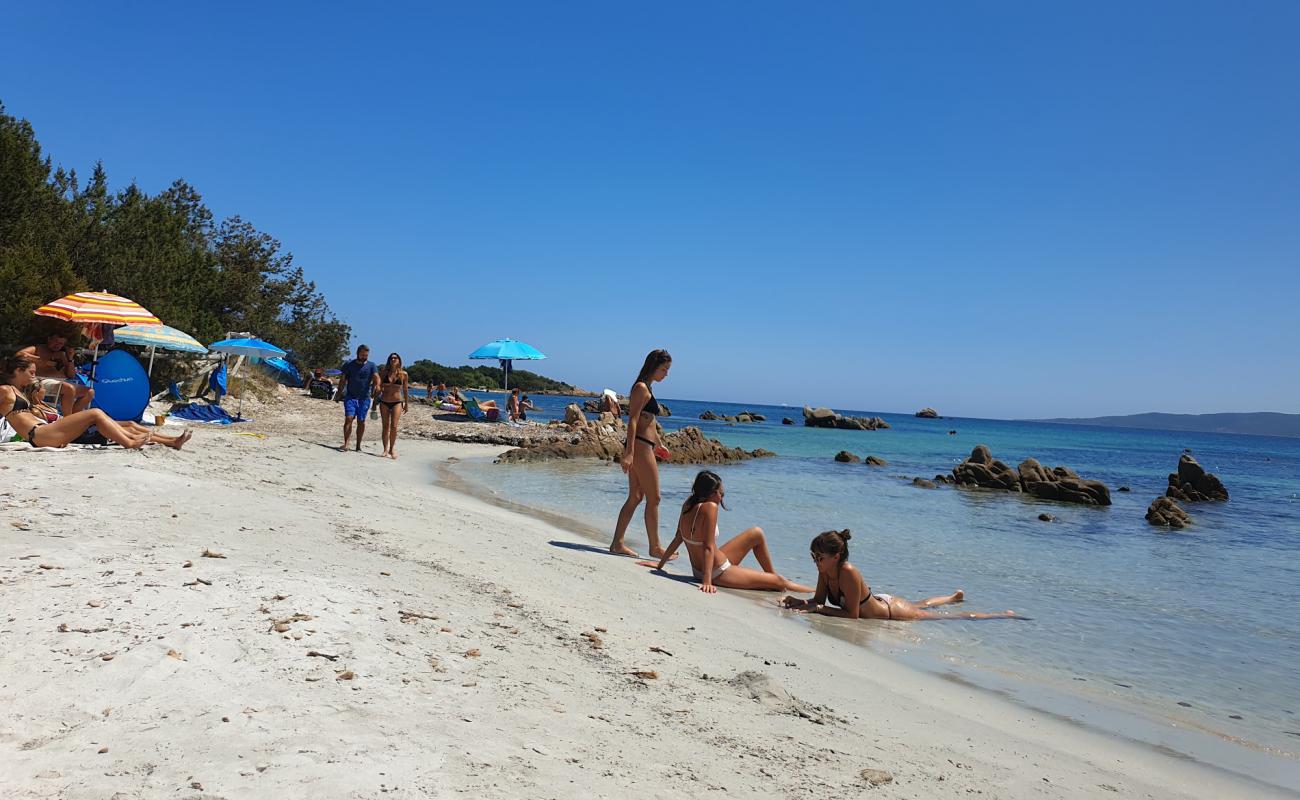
point(92, 434)
point(16, 375)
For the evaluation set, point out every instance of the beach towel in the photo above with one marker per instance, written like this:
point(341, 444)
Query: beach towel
point(24, 447)
point(211, 414)
point(7, 433)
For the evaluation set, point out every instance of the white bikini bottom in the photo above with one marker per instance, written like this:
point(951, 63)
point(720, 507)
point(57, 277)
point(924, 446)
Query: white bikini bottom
point(718, 570)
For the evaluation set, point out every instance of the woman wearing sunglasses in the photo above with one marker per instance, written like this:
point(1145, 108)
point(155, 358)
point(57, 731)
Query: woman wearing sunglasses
point(719, 565)
point(841, 585)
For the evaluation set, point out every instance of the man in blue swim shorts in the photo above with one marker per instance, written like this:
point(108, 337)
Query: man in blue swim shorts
point(357, 385)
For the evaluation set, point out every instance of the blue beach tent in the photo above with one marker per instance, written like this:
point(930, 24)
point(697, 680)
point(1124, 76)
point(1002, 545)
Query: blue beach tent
point(121, 386)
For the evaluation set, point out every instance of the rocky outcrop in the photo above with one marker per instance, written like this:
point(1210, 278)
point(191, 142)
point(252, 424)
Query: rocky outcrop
point(1164, 511)
point(604, 438)
point(876, 461)
point(986, 472)
point(1045, 517)
point(1061, 483)
point(928, 413)
point(922, 483)
point(786, 421)
point(1192, 484)
point(945, 478)
point(845, 457)
point(744, 416)
point(825, 418)
point(574, 417)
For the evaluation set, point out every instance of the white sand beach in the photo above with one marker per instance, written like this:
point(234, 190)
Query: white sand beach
point(367, 633)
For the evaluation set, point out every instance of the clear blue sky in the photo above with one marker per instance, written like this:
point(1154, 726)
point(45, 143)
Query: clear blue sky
point(999, 209)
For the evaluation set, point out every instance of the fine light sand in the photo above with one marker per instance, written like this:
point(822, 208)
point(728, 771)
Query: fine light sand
point(134, 666)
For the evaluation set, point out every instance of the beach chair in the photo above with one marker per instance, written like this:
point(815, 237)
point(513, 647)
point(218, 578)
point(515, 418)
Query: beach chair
point(475, 412)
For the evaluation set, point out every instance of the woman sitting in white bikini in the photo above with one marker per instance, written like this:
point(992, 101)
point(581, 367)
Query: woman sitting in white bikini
point(718, 565)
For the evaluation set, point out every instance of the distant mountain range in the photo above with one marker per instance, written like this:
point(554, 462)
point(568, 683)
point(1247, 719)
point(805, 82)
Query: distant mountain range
point(1259, 423)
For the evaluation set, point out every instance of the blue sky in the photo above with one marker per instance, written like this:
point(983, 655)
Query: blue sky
point(1008, 209)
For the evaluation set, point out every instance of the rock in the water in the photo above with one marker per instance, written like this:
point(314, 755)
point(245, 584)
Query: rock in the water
point(922, 483)
point(945, 479)
point(1192, 484)
point(708, 415)
point(825, 418)
point(981, 469)
point(1164, 511)
point(876, 461)
point(1046, 517)
point(787, 421)
point(604, 439)
point(928, 413)
point(1061, 483)
point(952, 433)
point(845, 457)
point(1123, 489)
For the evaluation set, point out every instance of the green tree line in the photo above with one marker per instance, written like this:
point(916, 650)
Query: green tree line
point(425, 371)
point(60, 234)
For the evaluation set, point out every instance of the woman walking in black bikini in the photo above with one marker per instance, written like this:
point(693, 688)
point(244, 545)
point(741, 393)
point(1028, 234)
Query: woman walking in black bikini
point(840, 584)
point(639, 451)
point(394, 398)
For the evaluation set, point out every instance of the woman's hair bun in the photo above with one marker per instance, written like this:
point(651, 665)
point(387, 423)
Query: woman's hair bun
point(845, 535)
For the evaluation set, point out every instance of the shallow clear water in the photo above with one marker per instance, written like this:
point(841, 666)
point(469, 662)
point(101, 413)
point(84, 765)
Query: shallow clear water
point(1123, 612)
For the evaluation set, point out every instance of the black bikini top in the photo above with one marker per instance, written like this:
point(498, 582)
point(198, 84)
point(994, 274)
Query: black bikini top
point(19, 398)
point(652, 405)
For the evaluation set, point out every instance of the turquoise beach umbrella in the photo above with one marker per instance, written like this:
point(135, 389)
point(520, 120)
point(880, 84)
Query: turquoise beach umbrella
point(505, 351)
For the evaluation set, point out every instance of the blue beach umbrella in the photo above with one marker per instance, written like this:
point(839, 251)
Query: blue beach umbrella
point(252, 347)
point(505, 351)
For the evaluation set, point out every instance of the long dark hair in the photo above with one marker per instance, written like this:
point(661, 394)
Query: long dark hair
point(653, 361)
point(832, 543)
point(11, 364)
point(389, 370)
point(706, 483)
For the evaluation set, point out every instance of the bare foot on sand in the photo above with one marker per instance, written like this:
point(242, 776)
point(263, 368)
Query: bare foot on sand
point(180, 441)
point(660, 554)
point(622, 550)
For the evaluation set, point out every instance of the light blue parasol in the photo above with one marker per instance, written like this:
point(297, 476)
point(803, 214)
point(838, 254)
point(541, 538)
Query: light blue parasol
point(505, 351)
point(252, 347)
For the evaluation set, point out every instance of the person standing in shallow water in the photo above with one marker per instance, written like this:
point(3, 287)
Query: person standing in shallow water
point(358, 383)
point(639, 453)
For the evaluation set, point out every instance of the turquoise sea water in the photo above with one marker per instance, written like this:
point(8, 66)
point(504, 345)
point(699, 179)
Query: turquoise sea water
point(1195, 631)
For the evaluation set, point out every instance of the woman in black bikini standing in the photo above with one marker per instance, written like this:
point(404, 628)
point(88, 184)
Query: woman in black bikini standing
point(394, 398)
point(840, 584)
point(638, 459)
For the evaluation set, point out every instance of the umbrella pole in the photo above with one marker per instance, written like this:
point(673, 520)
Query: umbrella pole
point(152, 348)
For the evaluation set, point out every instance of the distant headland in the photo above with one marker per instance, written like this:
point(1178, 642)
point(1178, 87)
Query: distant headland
point(1257, 423)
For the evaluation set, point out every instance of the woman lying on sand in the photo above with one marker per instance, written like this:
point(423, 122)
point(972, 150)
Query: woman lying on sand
point(717, 565)
point(840, 583)
point(23, 409)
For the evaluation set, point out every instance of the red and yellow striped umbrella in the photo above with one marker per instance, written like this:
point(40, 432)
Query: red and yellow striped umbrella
point(91, 307)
